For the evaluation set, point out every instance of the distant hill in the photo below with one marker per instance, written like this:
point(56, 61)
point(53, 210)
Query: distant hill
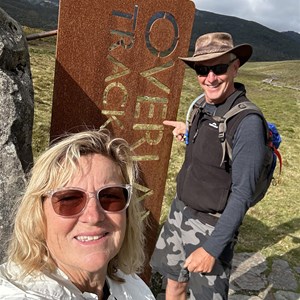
point(292, 34)
point(268, 44)
point(33, 13)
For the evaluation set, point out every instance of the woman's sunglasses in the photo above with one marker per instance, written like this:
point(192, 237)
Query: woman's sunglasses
point(219, 69)
point(71, 201)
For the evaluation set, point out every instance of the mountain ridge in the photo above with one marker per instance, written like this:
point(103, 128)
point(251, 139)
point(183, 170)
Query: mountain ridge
point(32, 13)
point(268, 44)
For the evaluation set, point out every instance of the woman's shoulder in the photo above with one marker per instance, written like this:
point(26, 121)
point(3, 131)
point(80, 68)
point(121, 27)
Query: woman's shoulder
point(57, 286)
point(41, 286)
point(133, 287)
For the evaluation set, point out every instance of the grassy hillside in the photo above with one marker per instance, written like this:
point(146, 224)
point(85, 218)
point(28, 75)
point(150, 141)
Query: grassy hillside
point(42, 60)
point(272, 226)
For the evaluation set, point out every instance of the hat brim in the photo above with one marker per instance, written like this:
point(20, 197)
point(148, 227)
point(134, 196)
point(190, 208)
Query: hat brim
point(243, 53)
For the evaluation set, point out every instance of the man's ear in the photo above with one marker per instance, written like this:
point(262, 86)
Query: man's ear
point(236, 65)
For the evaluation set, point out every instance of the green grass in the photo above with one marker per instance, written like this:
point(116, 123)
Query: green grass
point(272, 226)
point(42, 60)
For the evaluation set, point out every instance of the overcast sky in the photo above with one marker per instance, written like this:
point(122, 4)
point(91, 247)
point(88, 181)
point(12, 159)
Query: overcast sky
point(280, 15)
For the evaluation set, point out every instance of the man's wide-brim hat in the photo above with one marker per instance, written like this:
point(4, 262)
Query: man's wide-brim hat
point(216, 44)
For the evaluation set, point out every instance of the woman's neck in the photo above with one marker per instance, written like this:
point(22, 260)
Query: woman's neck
point(88, 282)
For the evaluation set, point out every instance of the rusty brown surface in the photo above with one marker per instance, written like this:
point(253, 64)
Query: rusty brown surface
point(117, 66)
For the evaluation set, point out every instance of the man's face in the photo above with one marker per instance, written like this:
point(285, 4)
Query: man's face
point(218, 87)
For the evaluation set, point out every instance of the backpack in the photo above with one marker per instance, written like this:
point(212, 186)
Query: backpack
point(273, 142)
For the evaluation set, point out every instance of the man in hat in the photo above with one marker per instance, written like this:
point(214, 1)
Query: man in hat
point(195, 248)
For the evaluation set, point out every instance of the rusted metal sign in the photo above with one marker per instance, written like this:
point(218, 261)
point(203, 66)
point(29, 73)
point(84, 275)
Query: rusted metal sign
point(117, 67)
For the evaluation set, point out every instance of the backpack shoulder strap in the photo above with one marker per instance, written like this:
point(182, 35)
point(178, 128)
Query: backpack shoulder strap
point(241, 107)
point(238, 95)
point(194, 107)
point(223, 125)
point(199, 102)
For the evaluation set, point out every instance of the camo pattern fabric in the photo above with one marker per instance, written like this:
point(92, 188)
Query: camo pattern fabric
point(181, 234)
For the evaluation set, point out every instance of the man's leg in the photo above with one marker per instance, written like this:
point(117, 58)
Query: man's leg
point(212, 286)
point(169, 255)
point(175, 290)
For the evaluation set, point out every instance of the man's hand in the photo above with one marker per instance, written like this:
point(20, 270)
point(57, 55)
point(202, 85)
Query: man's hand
point(179, 129)
point(200, 261)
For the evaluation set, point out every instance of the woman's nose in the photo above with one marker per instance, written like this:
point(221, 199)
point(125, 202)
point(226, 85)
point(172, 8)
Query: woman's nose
point(93, 212)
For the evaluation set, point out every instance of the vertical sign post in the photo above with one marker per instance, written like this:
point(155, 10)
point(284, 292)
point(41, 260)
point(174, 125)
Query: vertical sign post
point(117, 67)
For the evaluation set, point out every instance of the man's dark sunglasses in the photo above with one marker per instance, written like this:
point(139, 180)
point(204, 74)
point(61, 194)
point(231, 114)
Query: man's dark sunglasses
point(217, 69)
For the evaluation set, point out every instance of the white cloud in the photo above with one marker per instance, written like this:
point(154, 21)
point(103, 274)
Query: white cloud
point(275, 14)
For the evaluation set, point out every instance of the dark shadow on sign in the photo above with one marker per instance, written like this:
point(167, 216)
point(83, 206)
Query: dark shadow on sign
point(72, 109)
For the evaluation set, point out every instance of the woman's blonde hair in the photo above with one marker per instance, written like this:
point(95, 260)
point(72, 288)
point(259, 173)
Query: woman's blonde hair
point(55, 168)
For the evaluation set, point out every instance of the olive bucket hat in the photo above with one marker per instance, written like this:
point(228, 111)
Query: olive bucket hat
point(213, 45)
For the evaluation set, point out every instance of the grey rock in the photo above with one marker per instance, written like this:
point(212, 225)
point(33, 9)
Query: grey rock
point(282, 295)
point(247, 272)
point(243, 297)
point(16, 117)
point(282, 276)
point(267, 293)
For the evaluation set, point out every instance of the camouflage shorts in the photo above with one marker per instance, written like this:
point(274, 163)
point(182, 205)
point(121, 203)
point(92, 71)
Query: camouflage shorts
point(181, 234)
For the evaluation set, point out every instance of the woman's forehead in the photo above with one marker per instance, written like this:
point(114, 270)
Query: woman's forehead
point(98, 167)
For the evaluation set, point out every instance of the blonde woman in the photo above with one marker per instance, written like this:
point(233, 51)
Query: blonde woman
point(78, 231)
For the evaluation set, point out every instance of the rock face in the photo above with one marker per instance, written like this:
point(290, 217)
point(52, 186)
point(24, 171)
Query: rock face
point(16, 120)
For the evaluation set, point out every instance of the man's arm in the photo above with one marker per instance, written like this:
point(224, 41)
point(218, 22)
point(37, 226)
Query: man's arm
point(179, 129)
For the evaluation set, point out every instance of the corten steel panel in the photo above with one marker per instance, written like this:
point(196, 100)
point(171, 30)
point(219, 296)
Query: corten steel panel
point(117, 66)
